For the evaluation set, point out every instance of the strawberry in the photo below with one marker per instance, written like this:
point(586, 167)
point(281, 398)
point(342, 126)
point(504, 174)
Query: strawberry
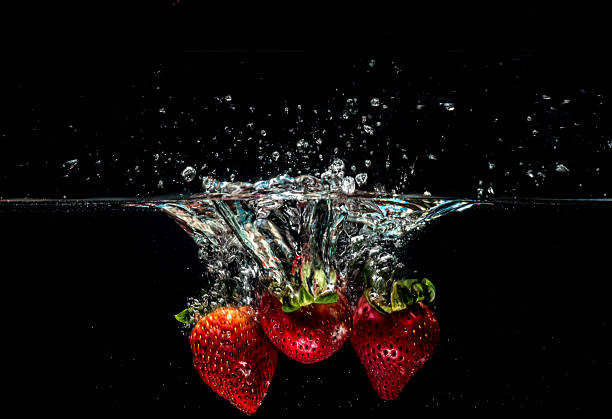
point(394, 342)
point(310, 333)
point(233, 356)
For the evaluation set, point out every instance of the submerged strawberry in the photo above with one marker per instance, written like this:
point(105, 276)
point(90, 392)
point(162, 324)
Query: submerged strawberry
point(310, 333)
point(233, 356)
point(394, 344)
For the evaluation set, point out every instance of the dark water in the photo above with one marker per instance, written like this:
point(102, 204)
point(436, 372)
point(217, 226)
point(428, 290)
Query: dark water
point(522, 303)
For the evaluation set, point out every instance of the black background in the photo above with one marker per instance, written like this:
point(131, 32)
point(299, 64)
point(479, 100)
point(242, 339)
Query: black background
point(88, 299)
point(76, 78)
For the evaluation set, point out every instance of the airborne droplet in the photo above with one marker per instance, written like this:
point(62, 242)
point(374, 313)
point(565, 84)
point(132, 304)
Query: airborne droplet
point(561, 168)
point(188, 173)
point(348, 185)
point(361, 179)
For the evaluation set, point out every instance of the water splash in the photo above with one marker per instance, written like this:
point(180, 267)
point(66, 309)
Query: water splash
point(286, 233)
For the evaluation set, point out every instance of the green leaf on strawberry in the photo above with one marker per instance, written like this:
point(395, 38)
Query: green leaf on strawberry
point(186, 316)
point(409, 291)
point(404, 293)
point(294, 302)
point(327, 298)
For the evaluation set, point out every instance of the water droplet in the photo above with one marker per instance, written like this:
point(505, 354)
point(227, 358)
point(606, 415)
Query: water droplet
point(188, 173)
point(275, 155)
point(228, 98)
point(368, 129)
point(160, 184)
point(208, 183)
point(337, 166)
point(375, 102)
point(426, 193)
point(71, 164)
point(561, 168)
point(372, 63)
point(348, 185)
point(368, 163)
point(162, 110)
point(361, 179)
point(448, 106)
point(263, 132)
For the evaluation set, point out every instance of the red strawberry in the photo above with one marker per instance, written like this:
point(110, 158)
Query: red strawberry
point(393, 347)
point(309, 334)
point(233, 356)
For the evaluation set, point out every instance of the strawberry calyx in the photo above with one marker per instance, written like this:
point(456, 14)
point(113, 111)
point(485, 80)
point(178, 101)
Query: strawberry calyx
point(404, 293)
point(190, 315)
point(315, 286)
point(303, 298)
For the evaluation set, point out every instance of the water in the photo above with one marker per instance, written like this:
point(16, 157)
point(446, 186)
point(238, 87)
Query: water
point(487, 175)
point(521, 288)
